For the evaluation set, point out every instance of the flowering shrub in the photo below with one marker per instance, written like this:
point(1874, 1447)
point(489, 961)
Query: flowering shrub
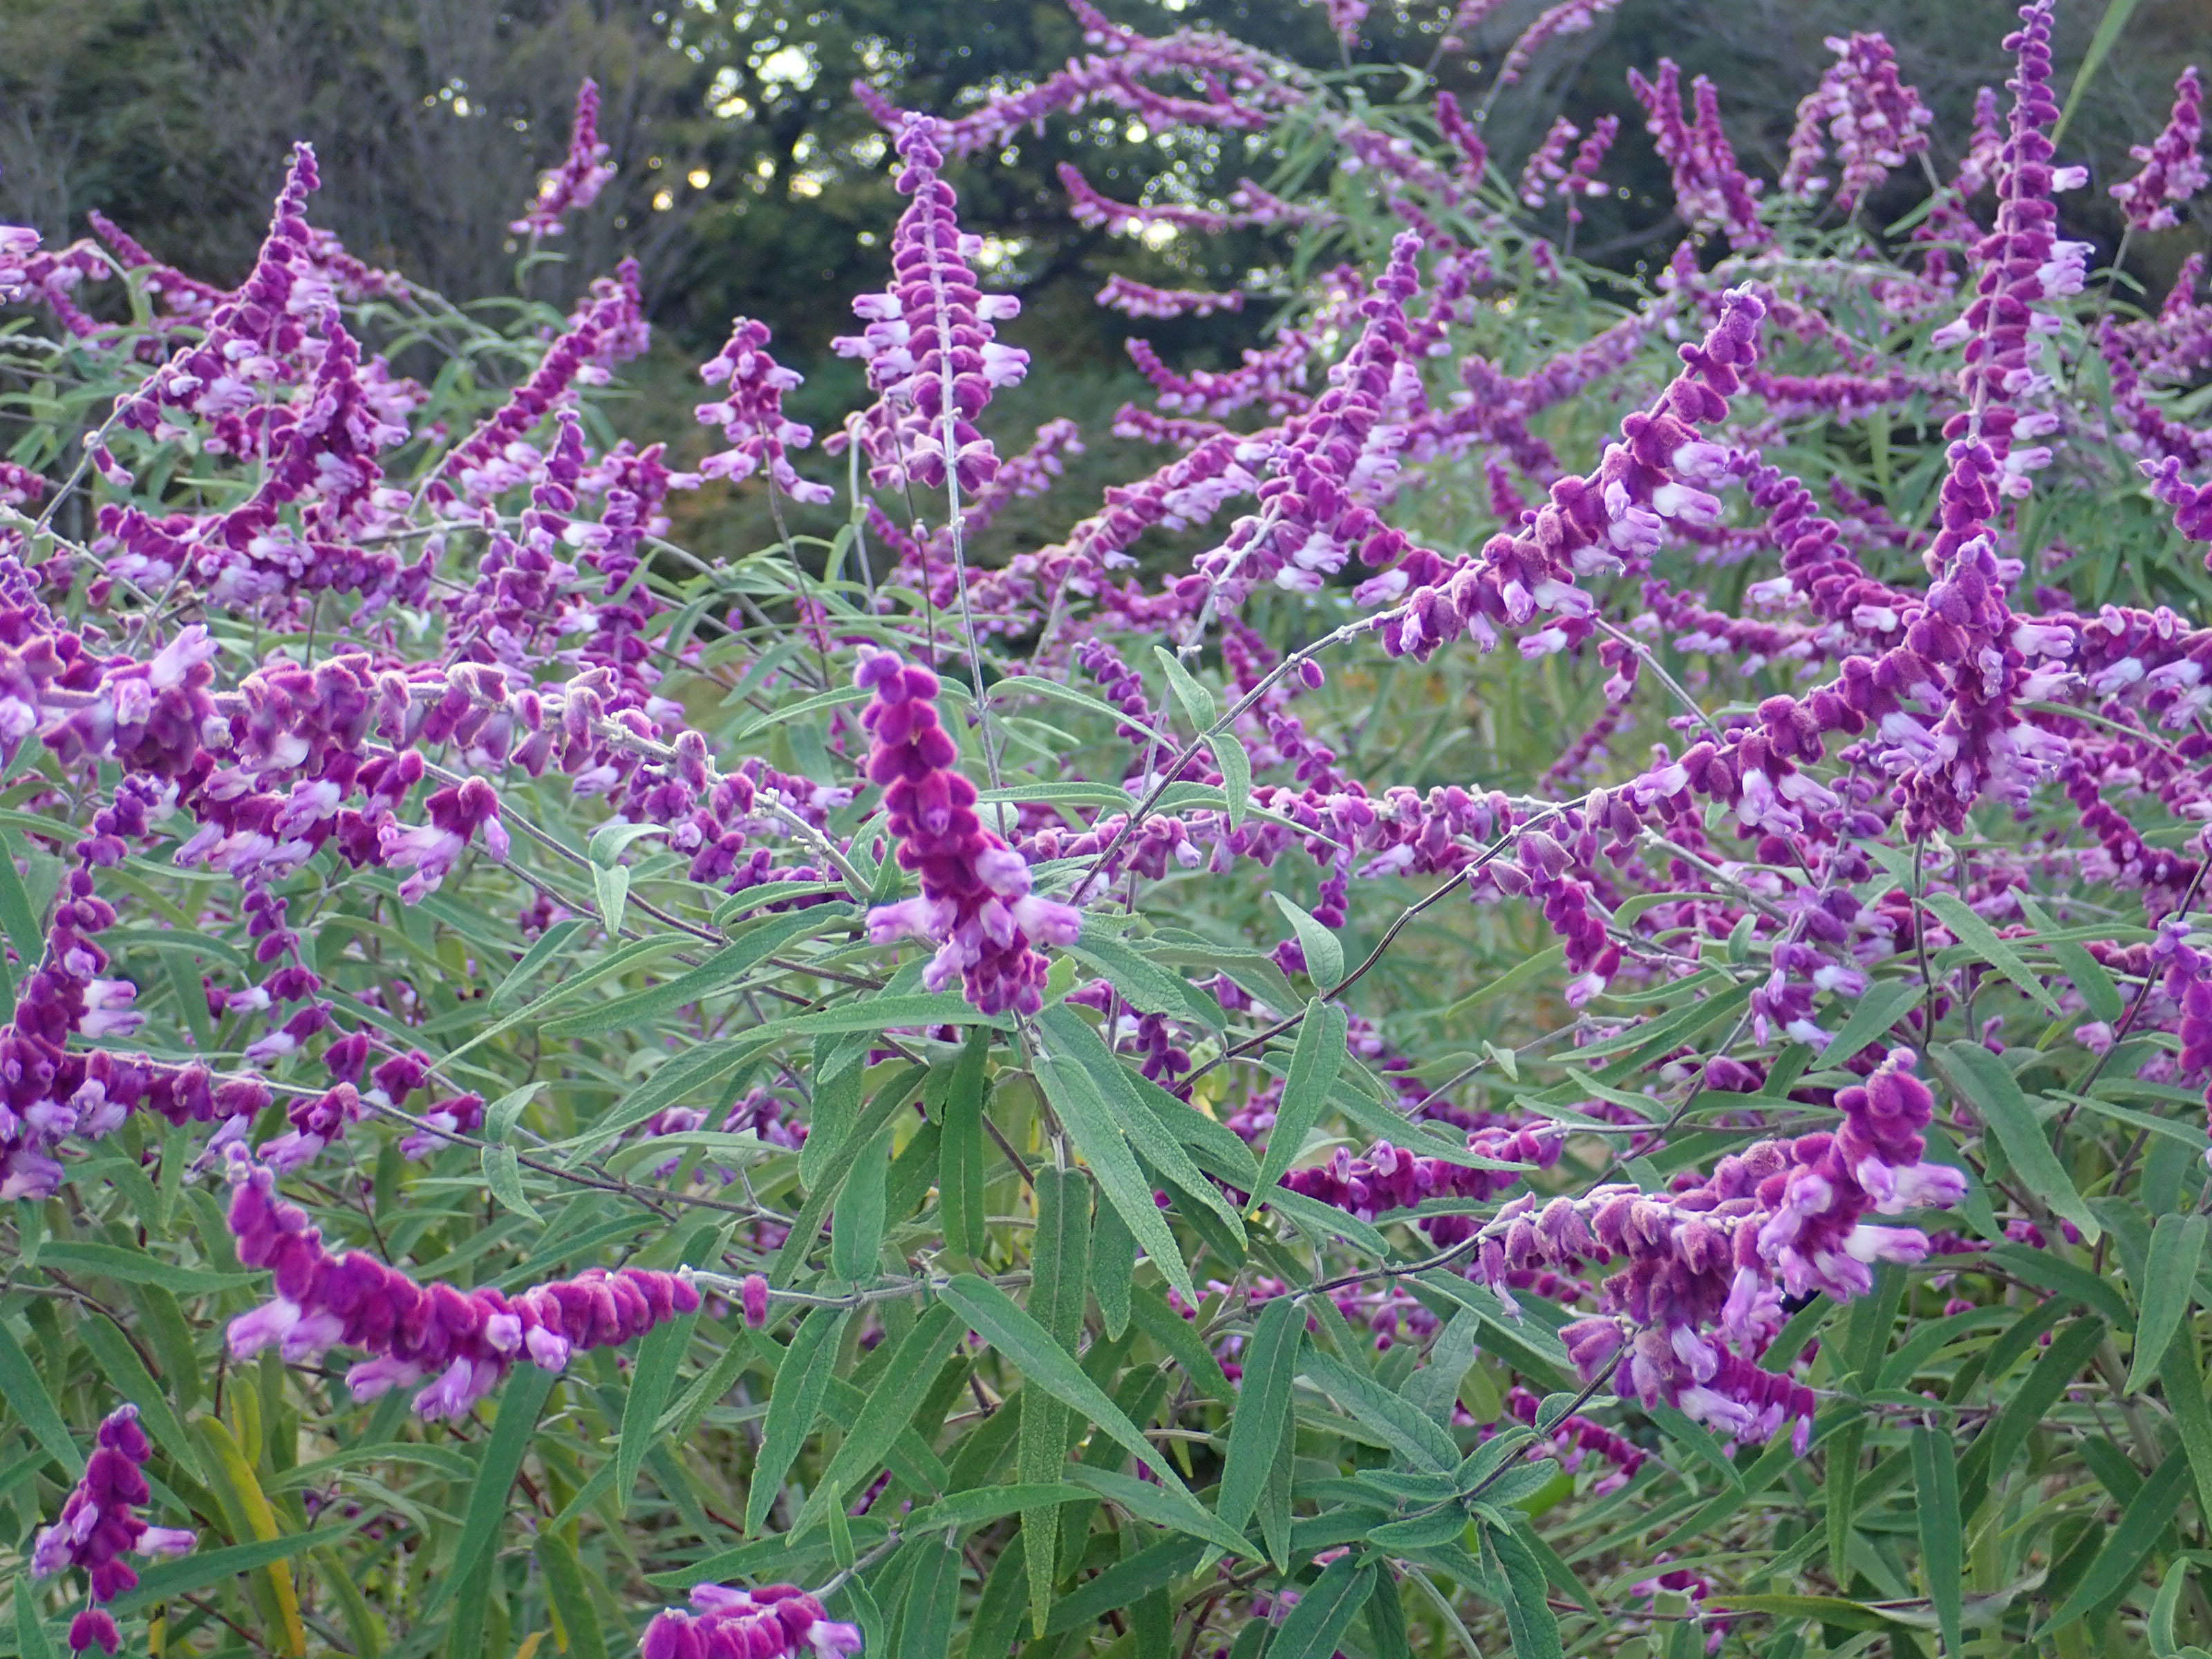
point(1543, 995)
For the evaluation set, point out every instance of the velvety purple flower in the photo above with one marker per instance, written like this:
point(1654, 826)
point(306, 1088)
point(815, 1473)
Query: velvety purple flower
point(1703, 1267)
point(99, 1524)
point(2173, 165)
point(975, 904)
point(1134, 299)
point(452, 1346)
point(1546, 165)
point(1568, 17)
point(18, 243)
point(776, 1622)
point(94, 1627)
point(1875, 120)
point(930, 350)
point(582, 174)
point(751, 416)
point(1711, 191)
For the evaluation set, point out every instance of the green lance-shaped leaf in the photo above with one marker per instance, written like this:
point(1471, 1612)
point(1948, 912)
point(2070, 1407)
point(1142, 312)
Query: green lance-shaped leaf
point(1325, 1610)
point(856, 1224)
point(31, 1639)
point(1197, 701)
point(960, 1152)
point(482, 1522)
point(1060, 1275)
point(1943, 1534)
point(27, 1400)
point(886, 1414)
point(659, 1358)
point(566, 1590)
point(1324, 954)
point(1529, 1619)
point(1100, 1137)
point(1988, 1084)
point(1315, 1063)
point(1971, 930)
point(2177, 1246)
point(1255, 1427)
point(2129, 1545)
point(802, 1378)
point(992, 1315)
point(2192, 1414)
point(1235, 766)
point(933, 1598)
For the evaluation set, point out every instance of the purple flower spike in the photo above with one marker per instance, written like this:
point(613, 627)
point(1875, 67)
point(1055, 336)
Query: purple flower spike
point(929, 345)
point(577, 182)
point(454, 1347)
point(975, 903)
point(1874, 118)
point(776, 1622)
point(752, 417)
point(99, 1524)
point(1711, 191)
point(2174, 167)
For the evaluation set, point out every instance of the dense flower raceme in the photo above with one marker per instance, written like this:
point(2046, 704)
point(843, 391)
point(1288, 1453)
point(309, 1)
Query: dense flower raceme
point(99, 1524)
point(577, 182)
point(769, 1623)
point(1875, 120)
point(464, 1342)
point(1707, 1263)
point(975, 904)
point(1902, 743)
point(1710, 188)
point(2173, 165)
point(930, 346)
point(752, 417)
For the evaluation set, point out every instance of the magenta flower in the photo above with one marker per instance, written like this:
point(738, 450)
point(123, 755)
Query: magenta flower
point(1711, 191)
point(582, 174)
point(99, 1524)
point(777, 1621)
point(454, 1347)
point(1707, 1266)
point(976, 902)
point(752, 417)
point(1874, 119)
point(929, 345)
point(1546, 164)
point(2173, 165)
point(1134, 299)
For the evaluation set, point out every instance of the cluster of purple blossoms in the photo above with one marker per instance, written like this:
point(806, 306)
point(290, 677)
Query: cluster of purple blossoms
point(1574, 1437)
point(776, 1622)
point(1567, 17)
point(99, 1525)
point(2173, 163)
point(975, 904)
point(577, 182)
point(1314, 511)
point(1581, 181)
point(929, 345)
point(1711, 190)
point(752, 417)
point(1708, 1263)
point(1388, 1177)
point(1134, 299)
point(1875, 121)
point(1546, 165)
point(463, 1341)
point(1243, 89)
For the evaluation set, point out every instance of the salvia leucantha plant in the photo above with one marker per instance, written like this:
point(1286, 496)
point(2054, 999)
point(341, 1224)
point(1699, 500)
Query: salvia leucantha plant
point(1543, 995)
